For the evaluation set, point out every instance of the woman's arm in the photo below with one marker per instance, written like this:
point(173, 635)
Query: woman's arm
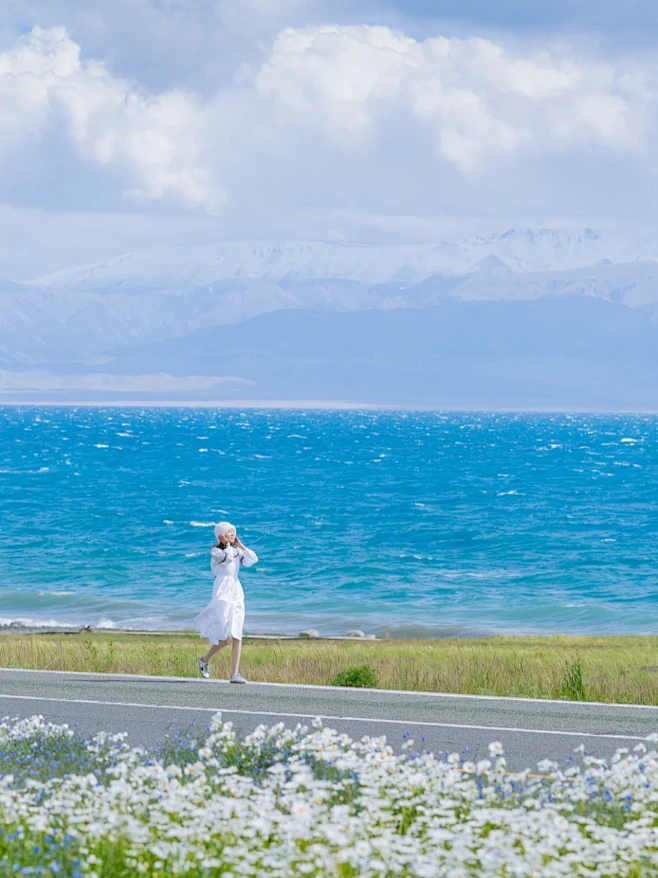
point(247, 557)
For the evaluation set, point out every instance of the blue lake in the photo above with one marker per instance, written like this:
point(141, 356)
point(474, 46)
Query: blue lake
point(415, 523)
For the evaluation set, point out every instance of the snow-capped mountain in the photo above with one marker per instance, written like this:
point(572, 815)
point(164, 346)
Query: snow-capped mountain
point(114, 317)
point(90, 315)
point(185, 268)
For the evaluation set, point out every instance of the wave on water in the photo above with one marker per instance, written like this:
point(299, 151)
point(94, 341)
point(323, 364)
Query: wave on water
point(38, 611)
point(416, 524)
point(27, 626)
point(24, 625)
point(56, 594)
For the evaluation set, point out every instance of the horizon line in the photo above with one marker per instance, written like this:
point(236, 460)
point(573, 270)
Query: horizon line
point(330, 405)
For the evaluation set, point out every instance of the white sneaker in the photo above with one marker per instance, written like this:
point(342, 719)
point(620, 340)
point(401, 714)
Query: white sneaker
point(237, 678)
point(204, 668)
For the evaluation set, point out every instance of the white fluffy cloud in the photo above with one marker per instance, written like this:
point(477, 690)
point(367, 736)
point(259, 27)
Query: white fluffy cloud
point(158, 141)
point(476, 99)
point(473, 100)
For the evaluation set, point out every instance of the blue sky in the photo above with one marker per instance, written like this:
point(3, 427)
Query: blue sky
point(588, 15)
point(172, 121)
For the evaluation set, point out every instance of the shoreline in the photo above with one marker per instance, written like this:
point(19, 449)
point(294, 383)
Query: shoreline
point(322, 629)
point(453, 636)
point(65, 630)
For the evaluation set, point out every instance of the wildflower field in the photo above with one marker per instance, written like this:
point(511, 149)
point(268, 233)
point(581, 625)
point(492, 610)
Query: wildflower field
point(288, 802)
point(622, 669)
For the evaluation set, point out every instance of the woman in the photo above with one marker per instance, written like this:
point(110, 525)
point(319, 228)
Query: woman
point(222, 620)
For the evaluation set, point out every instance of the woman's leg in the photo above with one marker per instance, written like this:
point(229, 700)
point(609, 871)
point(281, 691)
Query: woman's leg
point(215, 647)
point(236, 649)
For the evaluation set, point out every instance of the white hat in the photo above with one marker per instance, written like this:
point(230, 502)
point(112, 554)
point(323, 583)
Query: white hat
point(223, 528)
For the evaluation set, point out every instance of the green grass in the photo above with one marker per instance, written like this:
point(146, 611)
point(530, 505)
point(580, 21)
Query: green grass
point(357, 678)
point(613, 669)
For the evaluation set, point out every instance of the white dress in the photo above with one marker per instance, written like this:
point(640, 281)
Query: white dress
point(224, 615)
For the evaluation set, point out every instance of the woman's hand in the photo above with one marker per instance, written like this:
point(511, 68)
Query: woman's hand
point(238, 541)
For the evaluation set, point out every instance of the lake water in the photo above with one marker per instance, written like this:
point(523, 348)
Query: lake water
point(415, 523)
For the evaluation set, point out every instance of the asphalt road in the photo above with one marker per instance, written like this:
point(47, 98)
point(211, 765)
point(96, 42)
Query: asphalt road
point(148, 708)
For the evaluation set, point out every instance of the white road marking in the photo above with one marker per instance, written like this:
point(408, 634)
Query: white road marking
point(397, 722)
point(139, 678)
point(111, 703)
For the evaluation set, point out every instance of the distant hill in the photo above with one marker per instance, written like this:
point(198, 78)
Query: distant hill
point(572, 352)
point(546, 316)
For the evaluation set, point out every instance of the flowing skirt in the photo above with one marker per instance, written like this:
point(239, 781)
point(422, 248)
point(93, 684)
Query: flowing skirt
point(221, 620)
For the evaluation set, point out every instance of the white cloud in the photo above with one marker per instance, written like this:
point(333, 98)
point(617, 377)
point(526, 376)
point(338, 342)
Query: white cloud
point(336, 78)
point(472, 101)
point(26, 74)
point(165, 44)
point(477, 100)
point(159, 142)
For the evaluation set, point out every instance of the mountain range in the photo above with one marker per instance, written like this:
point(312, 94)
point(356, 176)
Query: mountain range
point(523, 318)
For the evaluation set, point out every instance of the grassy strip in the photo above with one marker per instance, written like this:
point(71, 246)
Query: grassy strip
point(612, 669)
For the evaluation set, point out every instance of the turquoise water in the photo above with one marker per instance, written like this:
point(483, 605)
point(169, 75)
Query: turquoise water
point(413, 523)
